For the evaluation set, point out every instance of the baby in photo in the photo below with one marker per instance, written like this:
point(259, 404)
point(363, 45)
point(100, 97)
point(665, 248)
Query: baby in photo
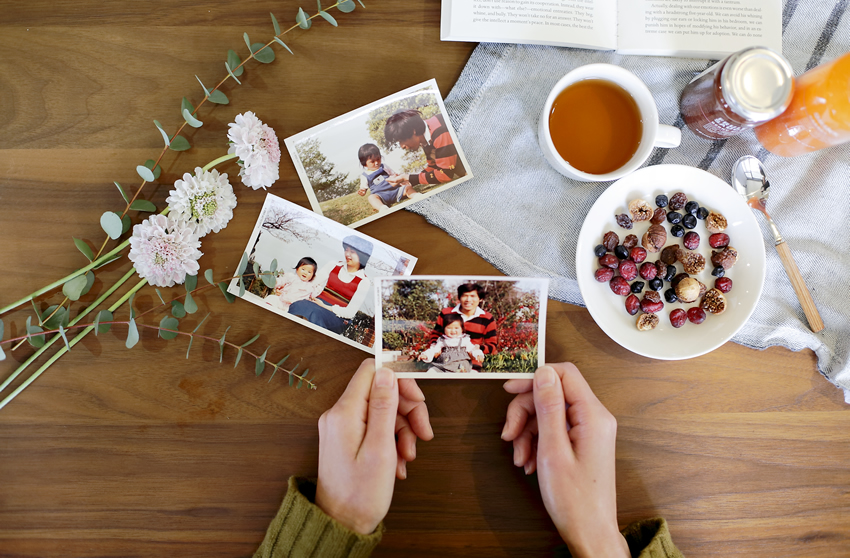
point(375, 179)
point(295, 286)
point(454, 348)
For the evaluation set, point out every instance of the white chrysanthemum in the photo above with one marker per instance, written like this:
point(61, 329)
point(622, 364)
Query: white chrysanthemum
point(205, 200)
point(258, 149)
point(164, 250)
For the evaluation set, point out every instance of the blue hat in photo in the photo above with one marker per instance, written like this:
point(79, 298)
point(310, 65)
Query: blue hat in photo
point(361, 246)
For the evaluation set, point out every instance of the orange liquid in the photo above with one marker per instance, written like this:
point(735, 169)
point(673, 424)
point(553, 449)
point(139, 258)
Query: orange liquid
point(595, 125)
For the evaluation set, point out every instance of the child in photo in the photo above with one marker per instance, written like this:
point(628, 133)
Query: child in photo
point(454, 347)
point(295, 286)
point(383, 194)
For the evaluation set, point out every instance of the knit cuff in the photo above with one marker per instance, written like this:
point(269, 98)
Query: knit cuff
point(302, 529)
point(650, 538)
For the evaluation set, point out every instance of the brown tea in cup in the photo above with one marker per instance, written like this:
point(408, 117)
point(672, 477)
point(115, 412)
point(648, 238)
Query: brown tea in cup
point(595, 126)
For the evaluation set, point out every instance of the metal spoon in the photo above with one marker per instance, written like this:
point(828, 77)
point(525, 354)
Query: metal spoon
point(749, 178)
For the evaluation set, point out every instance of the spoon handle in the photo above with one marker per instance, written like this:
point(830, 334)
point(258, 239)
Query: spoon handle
point(809, 308)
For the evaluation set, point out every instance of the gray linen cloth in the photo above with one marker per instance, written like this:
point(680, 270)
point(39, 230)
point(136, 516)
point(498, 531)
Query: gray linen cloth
point(524, 217)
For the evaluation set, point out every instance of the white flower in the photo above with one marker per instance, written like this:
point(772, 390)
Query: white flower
point(164, 250)
point(205, 200)
point(258, 149)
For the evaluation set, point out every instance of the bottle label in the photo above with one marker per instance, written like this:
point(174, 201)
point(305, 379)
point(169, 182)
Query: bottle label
point(722, 127)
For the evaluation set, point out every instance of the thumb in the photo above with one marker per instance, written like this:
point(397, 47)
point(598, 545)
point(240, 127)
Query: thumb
point(550, 410)
point(383, 409)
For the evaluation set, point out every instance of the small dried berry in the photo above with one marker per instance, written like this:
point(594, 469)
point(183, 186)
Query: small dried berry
point(624, 221)
point(668, 254)
point(691, 240)
point(619, 286)
point(632, 305)
point(653, 296)
point(670, 295)
point(658, 216)
point(661, 269)
point(718, 240)
point(693, 263)
point(674, 217)
point(630, 241)
point(651, 306)
point(661, 200)
point(648, 271)
point(718, 271)
point(654, 238)
point(610, 240)
point(687, 290)
point(609, 260)
point(628, 270)
point(604, 274)
point(647, 322)
point(725, 257)
point(678, 278)
point(638, 254)
point(678, 317)
point(640, 210)
point(723, 284)
point(671, 273)
point(637, 287)
point(677, 231)
point(621, 252)
point(689, 221)
point(691, 207)
point(714, 302)
point(656, 283)
point(599, 250)
point(702, 213)
point(678, 201)
point(696, 315)
point(715, 223)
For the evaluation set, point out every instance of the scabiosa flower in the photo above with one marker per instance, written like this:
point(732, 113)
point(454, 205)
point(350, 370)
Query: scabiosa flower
point(258, 149)
point(164, 250)
point(205, 200)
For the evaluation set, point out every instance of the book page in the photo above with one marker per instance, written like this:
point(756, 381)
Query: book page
point(578, 23)
point(698, 28)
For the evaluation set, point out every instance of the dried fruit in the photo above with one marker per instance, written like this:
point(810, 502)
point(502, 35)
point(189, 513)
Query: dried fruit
point(678, 278)
point(674, 217)
point(654, 238)
point(632, 305)
point(651, 306)
point(621, 252)
point(723, 284)
point(648, 271)
point(638, 254)
point(637, 287)
point(647, 322)
point(658, 216)
point(677, 231)
point(726, 257)
point(656, 284)
point(668, 254)
point(670, 295)
point(678, 201)
point(624, 221)
point(630, 241)
point(639, 210)
point(692, 207)
point(696, 315)
point(661, 200)
point(718, 271)
point(715, 223)
point(653, 296)
point(670, 273)
point(599, 250)
point(603, 274)
point(609, 260)
point(702, 213)
point(689, 221)
point(628, 270)
point(619, 286)
point(693, 263)
point(714, 302)
point(610, 240)
point(691, 240)
point(718, 240)
point(678, 317)
point(687, 290)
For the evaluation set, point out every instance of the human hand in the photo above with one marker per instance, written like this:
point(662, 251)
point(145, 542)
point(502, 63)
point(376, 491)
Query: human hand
point(425, 357)
point(365, 442)
point(396, 180)
point(361, 192)
point(559, 428)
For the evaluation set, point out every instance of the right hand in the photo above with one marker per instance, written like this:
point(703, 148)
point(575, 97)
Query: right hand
point(361, 192)
point(424, 357)
point(560, 428)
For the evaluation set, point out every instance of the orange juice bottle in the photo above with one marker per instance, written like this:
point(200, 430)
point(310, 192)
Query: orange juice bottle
point(818, 116)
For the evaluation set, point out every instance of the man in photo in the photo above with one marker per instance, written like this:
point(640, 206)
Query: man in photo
point(477, 323)
point(432, 136)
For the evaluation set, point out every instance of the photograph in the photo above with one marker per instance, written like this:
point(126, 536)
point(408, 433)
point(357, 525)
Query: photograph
point(444, 327)
point(317, 272)
point(375, 160)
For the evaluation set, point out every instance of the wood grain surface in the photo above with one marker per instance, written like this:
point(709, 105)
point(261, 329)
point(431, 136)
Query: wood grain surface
point(142, 452)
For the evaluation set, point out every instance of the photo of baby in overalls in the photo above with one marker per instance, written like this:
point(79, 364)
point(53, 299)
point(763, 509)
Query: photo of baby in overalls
point(452, 350)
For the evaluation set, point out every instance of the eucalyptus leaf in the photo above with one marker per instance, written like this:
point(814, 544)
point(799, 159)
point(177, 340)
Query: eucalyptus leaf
point(145, 173)
point(35, 341)
point(269, 279)
point(274, 371)
point(283, 45)
point(218, 97)
point(191, 340)
point(280, 363)
point(103, 315)
point(186, 105)
point(191, 282)
point(84, 248)
point(132, 334)
point(192, 121)
point(328, 18)
point(300, 382)
point(208, 274)
point(247, 41)
point(262, 53)
point(319, 5)
point(256, 268)
point(206, 91)
point(177, 309)
point(157, 170)
point(58, 316)
point(198, 326)
point(130, 305)
point(261, 363)
point(114, 257)
point(230, 73)
point(361, 3)
point(2, 328)
point(243, 263)
point(220, 344)
point(2, 354)
point(227, 295)
point(253, 340)
point(273, 266)
point(111, 222)
point(234, 61)
point(275, 24)
point(346, 6)
point(291, 379)
point(168, 323)
point(180, 144)
point(302, 20)
point(238, 357)
point(241, 287)
point(189, 305)
point(37, 312)
point(73, 288)
point(121, 190)
point(126, 222)
point(160, 295)
point(143, 205)
point(161, 131)
point(64, 338)
point(89, 283)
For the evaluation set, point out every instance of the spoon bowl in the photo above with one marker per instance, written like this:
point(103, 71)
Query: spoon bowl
point(749, 177)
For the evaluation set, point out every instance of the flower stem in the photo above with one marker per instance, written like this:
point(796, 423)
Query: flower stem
point(216, 161)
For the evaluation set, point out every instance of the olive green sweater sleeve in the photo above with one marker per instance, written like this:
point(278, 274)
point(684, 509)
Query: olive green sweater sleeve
point(301, 529)
point(650, 538)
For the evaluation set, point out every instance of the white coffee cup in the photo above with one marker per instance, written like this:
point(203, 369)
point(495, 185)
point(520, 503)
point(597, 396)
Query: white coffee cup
point(654, 134)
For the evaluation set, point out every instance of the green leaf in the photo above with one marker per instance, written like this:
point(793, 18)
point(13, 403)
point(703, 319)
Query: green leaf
point(243, 264)
point(241, 287)
point(58, 317)
point(192, 121)
point(208, 274)
point(256, 268)
point(186, 105)
point(280, 363)
point(103, 315)
point(132, 334)
point(161, 131)
point(319, 4)
point(361, 3)
point(126, 222)
point(273, 267)
point(302, 20)
point(238, 357)
point(143, 205)
point(35, 341)
point(230, 73)
point(123, 194)
point(329, 18)
point(261, 363)
point(300, 382)
point(218, 97)
point(269, 279)
point(189, 305)
point(177, 309)
point(283, 45)
point(206, 91)
point(201, 323)
point(191, 282)
point(180, 144)
point(253, 339)
point(37, 312)
point(168, 323)
point(191, 340)
point(64, 338)
point(111, 223)
point(89, 283)
point(157, 170)
point(291, 379)
point(160, 295)
point(227, 295)
point(84, 248)
point(346, 6)
point(2, 354)
point(262, 53)
point(73, 288)
point(247, 41)
point(145, 173)
point(221, 345)
point(275, 24)
point(234, 61)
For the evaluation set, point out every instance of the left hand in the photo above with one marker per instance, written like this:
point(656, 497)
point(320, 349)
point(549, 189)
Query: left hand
point(365, 442)
point(320, 303)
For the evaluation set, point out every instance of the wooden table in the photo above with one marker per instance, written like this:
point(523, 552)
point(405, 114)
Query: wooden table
point(142, 452)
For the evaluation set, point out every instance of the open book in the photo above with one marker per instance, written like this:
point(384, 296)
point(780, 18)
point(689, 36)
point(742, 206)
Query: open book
point(687, 28)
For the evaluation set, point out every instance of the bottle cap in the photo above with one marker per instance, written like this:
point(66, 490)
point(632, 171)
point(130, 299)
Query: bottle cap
point(757, 83)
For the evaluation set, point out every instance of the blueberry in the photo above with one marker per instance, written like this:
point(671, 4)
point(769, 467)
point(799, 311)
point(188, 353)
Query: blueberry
point(656, 284)
point(637, 287)
point(674, 217)
point(621, 252)
point(718, 271)
point(689, 221)
point(692, 207)
point(599, 250)
point(670, 295)
point(661, 200)
point(677, 231)
point(670, 273)
point(702, 213)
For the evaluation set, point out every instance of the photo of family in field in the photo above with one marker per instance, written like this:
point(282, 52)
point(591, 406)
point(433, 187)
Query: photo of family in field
point(380, 158)
point(317, 272)
point(460, 327)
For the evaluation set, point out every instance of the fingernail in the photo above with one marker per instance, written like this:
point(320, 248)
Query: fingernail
point(404, 471)
point(504, 430)
point(516, 458)
point(384, 377)
point(526, 468)
point(545, 377)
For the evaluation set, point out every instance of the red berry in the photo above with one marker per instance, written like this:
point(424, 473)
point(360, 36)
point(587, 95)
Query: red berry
point(632, 304)
point(648, 271)
point(638, 254)
point(628, 270)
point(604, 274)
point(678, 317)
point(651, 306)
point(609, 260)
point(691, 240)
point(619, 286)
point(718, 240)
point(696, 315)
point(723, 284)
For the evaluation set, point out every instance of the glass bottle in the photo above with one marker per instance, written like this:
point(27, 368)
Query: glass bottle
point(741, 91)
point(819, 114)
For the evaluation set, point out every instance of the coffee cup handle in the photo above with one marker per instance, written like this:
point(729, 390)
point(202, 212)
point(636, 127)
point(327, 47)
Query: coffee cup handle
point(668, 136)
